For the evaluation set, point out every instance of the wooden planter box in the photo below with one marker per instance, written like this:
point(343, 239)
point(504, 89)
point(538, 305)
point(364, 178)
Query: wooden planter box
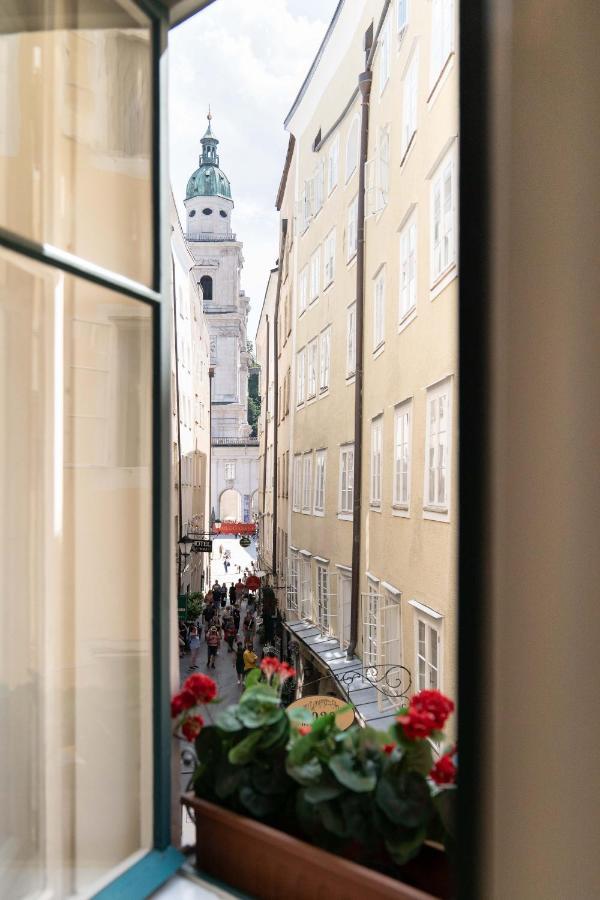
point(269, 864)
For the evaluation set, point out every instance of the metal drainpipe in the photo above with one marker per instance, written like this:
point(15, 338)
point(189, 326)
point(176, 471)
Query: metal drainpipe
point(364, 83)
point(276, 393)
point(266, 433)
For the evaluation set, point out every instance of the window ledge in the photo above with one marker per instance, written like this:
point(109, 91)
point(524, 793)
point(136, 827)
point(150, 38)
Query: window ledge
point(350, 379)
point(440, 79)
point(351, 260)
point(345, 517)
point(320, 513)
point(436, 513)
point(411, 144)
point(375, 506)
point(401, 511)
point(443, 280)
point(328, 285)
point(407, 318)
point(400, 35)
point(323, 392)
point(378, 350)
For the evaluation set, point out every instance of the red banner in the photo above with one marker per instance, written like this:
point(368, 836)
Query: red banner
point(235, 528)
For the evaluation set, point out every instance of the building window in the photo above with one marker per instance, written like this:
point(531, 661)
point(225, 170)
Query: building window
point(402, 15)
point(303, 293)
point(370, 636)
point(319, 188)
point(300, 376)
point(320, 467)
point(351, 340)
point(410, 103)
point(315, 274)
point(428, 655)
point(333, 164)
point(306, 482)
point(329, 261)
point(305, 587)
point(324, 359)
point(408, 268)
point(442, 35)
point(384, 56)
point(229, 471)
point(297, 486)
point(402, 423)
point(352, 148)
point(346, 503)
point(312, 362)
point(443, 217)
point(323, 597)
point(376, 444)
point(292, 584)
point(390, 641)
point(352, 233)
point(206, 283)
point(383, 168)
point(379, 310)
point(438, 448)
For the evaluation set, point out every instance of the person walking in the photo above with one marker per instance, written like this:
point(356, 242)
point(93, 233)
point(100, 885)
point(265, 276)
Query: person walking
point(239, 662)
point(194, 646)
point(250, 658)
point(232, 594)
point(220, 549)
point(213, 641)
point(236, 617)
point(230, 632)
point(239, 590)
point(249, 627)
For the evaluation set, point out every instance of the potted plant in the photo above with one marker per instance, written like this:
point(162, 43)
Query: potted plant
point(288, 806)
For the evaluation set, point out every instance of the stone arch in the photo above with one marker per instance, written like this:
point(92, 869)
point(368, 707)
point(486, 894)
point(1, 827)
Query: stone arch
point(230, 506)
point(206, 283)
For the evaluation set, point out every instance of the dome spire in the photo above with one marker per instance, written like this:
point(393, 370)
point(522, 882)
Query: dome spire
point(209, 142)
point(208, 180)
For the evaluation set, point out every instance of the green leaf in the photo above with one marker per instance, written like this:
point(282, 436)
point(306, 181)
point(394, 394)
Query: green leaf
point(305, 773)
point(251, 679)
point(277, 733)
point(257, 714)
point(327, 789)
point(227, 720)
point(261, 693)
point(300, 715)
point(405, 845)
point(343, 766)
point(244, 751)
point(405, 799)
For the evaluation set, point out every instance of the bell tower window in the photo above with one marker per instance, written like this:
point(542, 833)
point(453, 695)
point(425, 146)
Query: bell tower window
point(206, 283)
point(223, 213)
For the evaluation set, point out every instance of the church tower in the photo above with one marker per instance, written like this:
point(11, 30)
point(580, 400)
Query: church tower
point(218, 264)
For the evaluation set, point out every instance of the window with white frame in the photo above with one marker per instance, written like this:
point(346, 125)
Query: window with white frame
point(312, 362)
point(384, 55)
point(329, 258)
point(428, 655)
point(333, 163)
point(402, 15)
point(390, 640)
point(352, 148)
point(322, 596)
point(352, 229)
point(438, 447)
point(320, 468)
point(402, 437)
point(315, 274)
point(292, 583)
point(443, 217)
point(303, 291)
point(306, 481)
point(442, 36)
point(324, 359)
point(376, 449)
point(319, 186)
point(346, 503)
point(230, 471)
point(300, 376)
point(370, 624)
point(379, 310)
point(308, 201)
point(351, 340)
point(305, 586)
point(408, 267)
point(410, 102)
point(383, 167)
point(297, 484)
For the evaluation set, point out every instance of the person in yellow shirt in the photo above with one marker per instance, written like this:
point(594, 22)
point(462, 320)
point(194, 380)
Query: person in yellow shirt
point(250, 659)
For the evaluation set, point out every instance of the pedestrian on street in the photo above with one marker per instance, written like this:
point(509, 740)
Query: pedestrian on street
point(220, 549)
point(213, 641)
point(239, 662)
point(250, 658)
point(230, 632)
point(239, 590)
point(232, 596)
point(226, 566)
point(249, 627)
point(194, 646)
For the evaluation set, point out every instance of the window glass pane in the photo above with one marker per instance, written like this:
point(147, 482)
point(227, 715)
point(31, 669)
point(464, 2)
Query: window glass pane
point(75, 580)
point(75, 132)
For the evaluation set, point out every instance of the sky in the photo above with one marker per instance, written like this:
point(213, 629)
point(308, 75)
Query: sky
point(248, 60)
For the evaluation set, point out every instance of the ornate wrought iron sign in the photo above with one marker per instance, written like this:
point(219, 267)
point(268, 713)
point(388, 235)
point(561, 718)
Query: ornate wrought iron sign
point(391, 681)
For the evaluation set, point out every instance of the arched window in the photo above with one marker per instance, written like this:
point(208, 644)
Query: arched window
point(352, 148)
point(207, 287)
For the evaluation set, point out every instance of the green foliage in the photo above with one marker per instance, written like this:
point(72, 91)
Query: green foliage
point(195, 605)
point(253, 398)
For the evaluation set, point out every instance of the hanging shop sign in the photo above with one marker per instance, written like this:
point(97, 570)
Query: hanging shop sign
point(202, 546)
point(252, 582)
point(322, 705)
point(245, 541)
point(234, 528)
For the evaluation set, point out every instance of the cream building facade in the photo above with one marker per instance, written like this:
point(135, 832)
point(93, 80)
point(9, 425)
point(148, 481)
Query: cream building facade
point(406, 585)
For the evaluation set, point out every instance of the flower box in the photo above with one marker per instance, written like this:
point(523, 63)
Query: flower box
point(269, 864)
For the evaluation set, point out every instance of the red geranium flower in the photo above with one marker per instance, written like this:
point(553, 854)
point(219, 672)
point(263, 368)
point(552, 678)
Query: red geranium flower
point(417, 725)
point(444, 771)
point(305, 729)
point(285, 672)
point(192, 727)
point(269, 665)
point(202, 687)
point(182, 701)
point(389, 748)
point(434, 703)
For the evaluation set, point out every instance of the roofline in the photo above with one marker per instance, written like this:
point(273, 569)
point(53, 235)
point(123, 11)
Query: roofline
point(262, 309)
point(284, 174)
point(314, 65)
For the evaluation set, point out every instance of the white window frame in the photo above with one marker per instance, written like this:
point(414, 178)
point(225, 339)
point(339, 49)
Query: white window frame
point(320, 476)
point(351, 341)
point(402, 14)
point(303, 291)
point(346, 483)
point(352, 229)
point(292, 583)
point(325, 359)
point(297, 483)
point(379, 310)
point(384, 55)
point(322, 596)
point(376, 461)
point(312, 365)
point(436, 506)
point(300, 376)
point(410, 103)
point(408, 268)
point(319, 187)
point(307, 482)
point(329, 259)
point(402, 456)
point(333, 160)
point(352, 147)
point(230, 471)
point(390, 640)
point(442, 37)
point(315, 274)
point(428, 675)
point(305, 586)
point(444, 218)
point(371, 603)
point(383, 168)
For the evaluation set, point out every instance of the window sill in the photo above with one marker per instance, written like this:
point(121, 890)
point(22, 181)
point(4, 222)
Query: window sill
point(351, 260)
point(443, 280)
point(323, 392)
point(401, 35)
point(378, 350)
point(345, 517)
point(407, 318)
point(411, 144)
point(350, 379)
point(349, 176)
point(320, 513)
point(313, 300)
point(327, 286)
point(436, 513)
point(331, 190)
point(401, 511)
point(375, 506)
point(383, 86)
point(307, 512)
point(440, 79)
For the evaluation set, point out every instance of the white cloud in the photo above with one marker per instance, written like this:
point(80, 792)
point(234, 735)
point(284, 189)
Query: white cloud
point(248, 61)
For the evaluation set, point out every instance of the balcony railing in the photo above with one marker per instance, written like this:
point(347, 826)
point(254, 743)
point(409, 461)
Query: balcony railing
point(208, 236)
point(235, 442)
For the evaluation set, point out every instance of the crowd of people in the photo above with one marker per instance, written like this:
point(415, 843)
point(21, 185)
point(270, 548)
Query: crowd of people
point(227, 619)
